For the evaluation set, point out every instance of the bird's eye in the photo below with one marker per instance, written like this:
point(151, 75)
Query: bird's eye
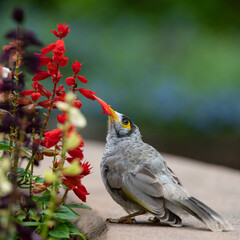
point(125, 121)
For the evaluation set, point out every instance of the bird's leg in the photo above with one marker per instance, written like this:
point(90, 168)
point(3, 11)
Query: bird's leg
point(126, 219)
point(153, 220)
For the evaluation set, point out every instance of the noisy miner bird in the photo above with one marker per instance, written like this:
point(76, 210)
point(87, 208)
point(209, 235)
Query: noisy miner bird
point(138, 178)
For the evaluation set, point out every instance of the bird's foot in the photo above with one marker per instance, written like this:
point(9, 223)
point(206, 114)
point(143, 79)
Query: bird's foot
point(123, 220)
point(153, 220)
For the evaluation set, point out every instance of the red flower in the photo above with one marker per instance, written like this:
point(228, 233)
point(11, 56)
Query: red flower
point(35, 96)
point(62, 61)
point(48, 48)
point(105, 106)
point(24, 101)
point(76, 153)
point(61, 118)
point(76, 67)
point(60, 91)
point(45, 103)
point(77, 104)
point(81, 192)
point(70, 81)
point(87, 93)
point(59, 49)
point(27, 92)
point(52, 68)
point(86, 168)
point(41, 75)
point(43, 91)
point(71, 182)
point(43, 60)
point(62, 31)
point(52, 138)
point(82, 79)
point(35, 85)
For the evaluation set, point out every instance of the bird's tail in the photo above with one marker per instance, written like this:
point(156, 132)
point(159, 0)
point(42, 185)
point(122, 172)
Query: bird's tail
point(213, 220)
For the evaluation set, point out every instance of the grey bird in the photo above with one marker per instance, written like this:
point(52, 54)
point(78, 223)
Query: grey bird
point(138, 178)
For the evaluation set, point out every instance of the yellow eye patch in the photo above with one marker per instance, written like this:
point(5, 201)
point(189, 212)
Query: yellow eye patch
point(126, 124)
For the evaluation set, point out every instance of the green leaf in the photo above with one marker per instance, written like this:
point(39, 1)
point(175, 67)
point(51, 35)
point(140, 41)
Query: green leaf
point(4, 145)
point(31, 224)
point(65, 213)
point(39, 179)
point(77, 205)
point(72, 227)
point(79, 234)
point(60, 231)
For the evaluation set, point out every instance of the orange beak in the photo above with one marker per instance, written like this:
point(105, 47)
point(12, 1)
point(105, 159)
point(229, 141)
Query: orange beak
point(113, 115)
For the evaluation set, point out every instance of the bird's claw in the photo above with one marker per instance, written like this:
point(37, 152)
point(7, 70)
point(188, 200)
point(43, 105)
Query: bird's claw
point(153, 220)
point(121, 220)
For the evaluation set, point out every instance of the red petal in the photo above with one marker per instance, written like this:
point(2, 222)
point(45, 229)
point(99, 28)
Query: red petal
point(45, 103)
point(104, 105)
point(62, 61)
point(24, 101)
point(52, 68)
point(43, 91)
point(70, 81)
point(55, 33)
point(27, 92)
point(87, 93)
point(35, 96)
point(76, 67)
point(48, 49)
point(82, 79)
point(43, 60)
point(81, 192)
point(77, 104)
point(41, 75)
point(76, 153)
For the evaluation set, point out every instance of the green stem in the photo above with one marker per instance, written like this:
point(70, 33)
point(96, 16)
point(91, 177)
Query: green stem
point(15, 93)
point(43, 127)
point(64, 196)
point(54, 191)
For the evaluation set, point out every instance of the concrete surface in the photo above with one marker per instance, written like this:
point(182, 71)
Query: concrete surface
point(216, 186)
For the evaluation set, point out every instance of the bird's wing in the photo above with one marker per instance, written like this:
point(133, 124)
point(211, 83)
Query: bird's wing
point(142, 187)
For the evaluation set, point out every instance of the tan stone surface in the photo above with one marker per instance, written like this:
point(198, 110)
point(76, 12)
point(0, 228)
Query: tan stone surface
point(216, 186)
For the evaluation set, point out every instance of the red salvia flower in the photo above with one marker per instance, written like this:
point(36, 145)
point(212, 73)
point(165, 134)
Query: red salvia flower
point(87, 93)
point(41, 75)
point(82, 79)
point(76, 153)
point(35, 96)
point(81, 192)
point(76, 67)
point(52, 68)
point(43, 60)
point(48, 49)
point(26, 92)
point(35, 85)
point(86, 168)
point(62, 118)
point(70, 81)
point(45, 103)
point(62, 31)
point(105, 106)
point(43, 91)
point(77, 104)
point(52, 138)
point(60, 91)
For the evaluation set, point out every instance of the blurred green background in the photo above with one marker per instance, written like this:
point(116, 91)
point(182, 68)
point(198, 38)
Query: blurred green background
point(173, 67)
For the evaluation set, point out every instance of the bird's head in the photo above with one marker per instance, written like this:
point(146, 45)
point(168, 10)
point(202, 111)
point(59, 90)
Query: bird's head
point(121, 128)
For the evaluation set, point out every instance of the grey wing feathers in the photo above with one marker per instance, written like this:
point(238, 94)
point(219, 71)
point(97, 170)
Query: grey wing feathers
point(144, 189)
